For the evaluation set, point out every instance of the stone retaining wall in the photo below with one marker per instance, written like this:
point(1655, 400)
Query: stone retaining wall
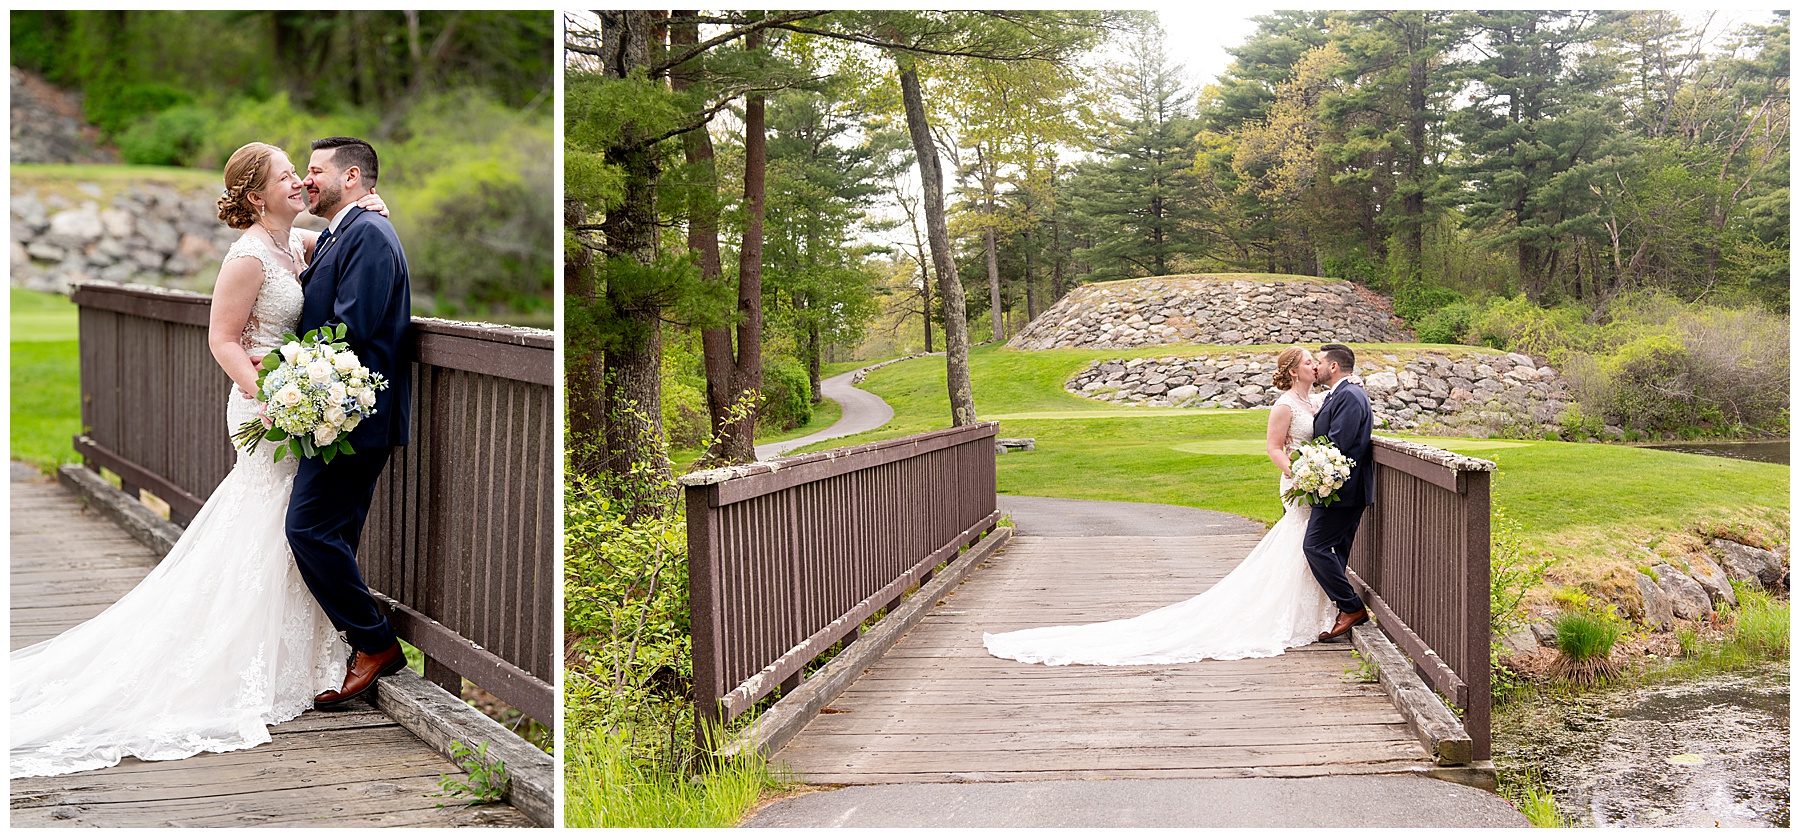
point(1456, 392)
point(147, 233)
point(1224, 309)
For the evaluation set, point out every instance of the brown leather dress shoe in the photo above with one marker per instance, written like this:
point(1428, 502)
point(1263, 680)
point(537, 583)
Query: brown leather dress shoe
point(1346, 622)
point(361, 675)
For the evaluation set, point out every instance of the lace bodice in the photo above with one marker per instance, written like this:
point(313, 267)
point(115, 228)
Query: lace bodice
point(277, 308)
point(1300, 430)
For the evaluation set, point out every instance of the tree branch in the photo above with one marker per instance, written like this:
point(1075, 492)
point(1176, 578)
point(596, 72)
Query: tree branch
point(663, 67)
point(877, 42)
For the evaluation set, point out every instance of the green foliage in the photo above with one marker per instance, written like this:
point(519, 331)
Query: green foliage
point(1447, 324)
point(606, 786)
point(1417, 301)
point(169, 138)
point(1760, 624)
point(1362, 670)
point(1586, 636)
point(786, 397)
point(116, 109)
point(488, 781)
point(1514, 572)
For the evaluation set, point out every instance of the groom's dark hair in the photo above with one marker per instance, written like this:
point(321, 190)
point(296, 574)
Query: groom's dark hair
point(350, 151)
point(1341, 355)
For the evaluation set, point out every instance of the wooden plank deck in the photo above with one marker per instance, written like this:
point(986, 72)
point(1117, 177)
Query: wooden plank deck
point(939, 708)
point(350, 768)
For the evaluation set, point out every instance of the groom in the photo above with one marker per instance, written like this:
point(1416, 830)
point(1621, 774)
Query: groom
point(1344, 418)
point(357, 278)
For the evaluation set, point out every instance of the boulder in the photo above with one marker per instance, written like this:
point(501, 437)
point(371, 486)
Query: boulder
point(1746, 564)
point(1712, 579)
point(1687, 599)
point(1183, 393)
point(1659, 612)
point(1520, 641)
point(76, 227)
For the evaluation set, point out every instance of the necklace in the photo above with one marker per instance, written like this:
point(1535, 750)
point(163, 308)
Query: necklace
point(284, 243)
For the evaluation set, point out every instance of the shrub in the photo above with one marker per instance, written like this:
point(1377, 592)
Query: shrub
point(786, 395)
point(1449, 324)
point(1415, 302)
point(1584, 641)
point(277, 122)
point(1761, 624)
point(171, 138)
point(117, 107)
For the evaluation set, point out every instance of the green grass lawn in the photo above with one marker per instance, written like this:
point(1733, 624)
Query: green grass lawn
point(1595, 506)
point(46, 397)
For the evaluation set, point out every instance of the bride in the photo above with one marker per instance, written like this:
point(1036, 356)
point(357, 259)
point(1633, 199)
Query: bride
point(1268, 604)
point(223, 638)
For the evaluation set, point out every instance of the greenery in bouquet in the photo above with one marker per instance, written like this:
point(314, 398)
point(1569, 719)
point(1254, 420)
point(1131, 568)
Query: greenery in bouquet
point(314, 391)
point(1319, 471)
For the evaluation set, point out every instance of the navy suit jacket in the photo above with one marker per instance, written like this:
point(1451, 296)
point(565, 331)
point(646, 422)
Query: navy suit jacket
point(1346, 419)
point(359, 279)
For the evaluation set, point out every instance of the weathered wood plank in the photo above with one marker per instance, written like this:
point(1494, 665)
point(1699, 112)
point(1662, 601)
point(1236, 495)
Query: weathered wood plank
point(938, 708)
point(356, 767)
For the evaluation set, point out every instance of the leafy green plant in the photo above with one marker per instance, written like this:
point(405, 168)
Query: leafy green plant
point(488, 781)
point(607, 786)
point(1362, 670)
point(1584, 641)
point(1513, 572)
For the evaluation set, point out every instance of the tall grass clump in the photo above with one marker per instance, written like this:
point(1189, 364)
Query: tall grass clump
point(608, 786)
point(1584, 642)
point(1760, 624)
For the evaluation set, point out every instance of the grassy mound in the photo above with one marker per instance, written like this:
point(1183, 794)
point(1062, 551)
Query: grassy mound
point(1596, 507)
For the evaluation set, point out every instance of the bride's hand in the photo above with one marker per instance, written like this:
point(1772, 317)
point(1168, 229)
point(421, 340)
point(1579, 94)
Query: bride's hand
point(373, 203)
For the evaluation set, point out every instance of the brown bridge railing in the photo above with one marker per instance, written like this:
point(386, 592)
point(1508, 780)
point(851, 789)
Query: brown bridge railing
point(790, 556)
point(1421, 563)
point(460, 544)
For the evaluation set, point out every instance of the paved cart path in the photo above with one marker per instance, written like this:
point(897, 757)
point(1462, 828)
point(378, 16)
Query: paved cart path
point(863, 411)
point(350, 768)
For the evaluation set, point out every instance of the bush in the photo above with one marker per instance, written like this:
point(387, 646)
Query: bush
point(171, 138)
point(786, 395)
point(1416, 302)
point(277, 122)
point(116, 108)
point(1449, 324)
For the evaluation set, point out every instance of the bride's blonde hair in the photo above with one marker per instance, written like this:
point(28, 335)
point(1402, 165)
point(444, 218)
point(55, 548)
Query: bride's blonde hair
point(1285, 364)
point(247, 171)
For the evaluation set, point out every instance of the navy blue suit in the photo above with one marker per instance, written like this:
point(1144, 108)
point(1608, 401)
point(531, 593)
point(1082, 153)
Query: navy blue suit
point(1346, 419)
point(358, 278)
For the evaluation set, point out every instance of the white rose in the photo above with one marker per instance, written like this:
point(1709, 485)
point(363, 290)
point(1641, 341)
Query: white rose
point(334, 416)
point(318, 372)
point(366, 397)
point(337, 393)
point(345, 361)
point(289, 396)
point(324, 435)
point(304, 357)
point(290, 351)
point(351, 421)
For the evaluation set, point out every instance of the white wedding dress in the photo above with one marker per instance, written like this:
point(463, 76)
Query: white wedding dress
point(220, 641)
point(1266, 605)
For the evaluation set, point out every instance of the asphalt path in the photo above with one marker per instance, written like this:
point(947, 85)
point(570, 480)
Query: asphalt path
point(1375, 801)
point(863, 411)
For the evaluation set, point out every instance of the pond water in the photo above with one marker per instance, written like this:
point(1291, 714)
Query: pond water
point(1766, 451)
point(1710, 752)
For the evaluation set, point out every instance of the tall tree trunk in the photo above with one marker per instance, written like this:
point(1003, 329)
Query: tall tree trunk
point(738, 444)
point(631, 410)
point(931, 175)
point(813, 351)
point(582, 365)
point(1412, 201)
point(703, 236)
point(988, 176)
point(925, 299)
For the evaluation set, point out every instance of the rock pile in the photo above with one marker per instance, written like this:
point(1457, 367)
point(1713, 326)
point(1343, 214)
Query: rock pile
point(148, 233)
point(1211, 310)
point(1470, 392)
point(48, 125)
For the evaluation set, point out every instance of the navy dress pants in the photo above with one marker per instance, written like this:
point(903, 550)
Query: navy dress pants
point(324, 524)
point(1327, 547)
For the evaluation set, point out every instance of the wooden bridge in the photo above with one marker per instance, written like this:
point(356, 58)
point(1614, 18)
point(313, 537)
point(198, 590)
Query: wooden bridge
point(914, 697)
point(353, 768)
point(460, 550)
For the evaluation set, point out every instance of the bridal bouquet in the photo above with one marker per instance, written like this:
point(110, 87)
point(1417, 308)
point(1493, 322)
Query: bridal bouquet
point(1319, 470)
point(314, 391)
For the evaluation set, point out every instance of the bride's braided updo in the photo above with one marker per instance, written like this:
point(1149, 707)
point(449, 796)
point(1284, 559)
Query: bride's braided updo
point(247, 171)
point(1285, 364)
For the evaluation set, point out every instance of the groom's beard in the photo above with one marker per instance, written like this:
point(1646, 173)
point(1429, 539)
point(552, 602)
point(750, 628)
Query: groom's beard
point(328, 202)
